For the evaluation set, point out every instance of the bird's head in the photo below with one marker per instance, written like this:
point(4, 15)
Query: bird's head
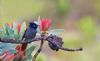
point(33, 25)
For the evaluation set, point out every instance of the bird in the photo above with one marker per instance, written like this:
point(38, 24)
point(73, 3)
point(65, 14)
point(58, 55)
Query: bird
point(29, 34)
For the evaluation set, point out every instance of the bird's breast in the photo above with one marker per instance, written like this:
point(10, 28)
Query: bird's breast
point(30, 33)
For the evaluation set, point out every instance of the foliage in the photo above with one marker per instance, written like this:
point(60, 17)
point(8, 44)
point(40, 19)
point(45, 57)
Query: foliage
point(29, 53)
point(12, 31)
point(15, 32)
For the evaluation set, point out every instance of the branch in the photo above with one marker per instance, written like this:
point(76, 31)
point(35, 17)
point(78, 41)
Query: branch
point(40, 48)
point(68, 49)
point(55, 43)
point(15, 41)
point(51, 39)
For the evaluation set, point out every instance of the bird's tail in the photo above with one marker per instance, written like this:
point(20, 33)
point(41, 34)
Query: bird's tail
point(23, 51)
point(24, 46)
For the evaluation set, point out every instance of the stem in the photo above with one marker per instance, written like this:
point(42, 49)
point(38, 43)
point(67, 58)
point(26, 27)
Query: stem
point(40, 48)
point(67, 49)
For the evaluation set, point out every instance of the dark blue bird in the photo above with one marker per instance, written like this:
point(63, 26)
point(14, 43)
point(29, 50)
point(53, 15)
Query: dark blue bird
point(29, 34)
point(30, 31)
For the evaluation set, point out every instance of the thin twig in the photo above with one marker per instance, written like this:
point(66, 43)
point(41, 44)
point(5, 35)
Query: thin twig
point(72, 50)
point(40, 48)
point(67, 49)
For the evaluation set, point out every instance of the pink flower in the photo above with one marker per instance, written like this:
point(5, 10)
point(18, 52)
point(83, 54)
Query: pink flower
point(7, 56)
point(18, 27)
point(12, 25)
point(45, 24)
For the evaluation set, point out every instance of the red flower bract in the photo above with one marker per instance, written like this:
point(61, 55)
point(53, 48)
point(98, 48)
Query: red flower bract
point(8, 56)
point(19, 27)
point(45, 24)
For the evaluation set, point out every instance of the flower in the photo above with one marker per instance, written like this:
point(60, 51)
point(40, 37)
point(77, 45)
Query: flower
point(15, 25)
point(45, 24)
point(18, 27)
point(8, 56)
point(10, 24)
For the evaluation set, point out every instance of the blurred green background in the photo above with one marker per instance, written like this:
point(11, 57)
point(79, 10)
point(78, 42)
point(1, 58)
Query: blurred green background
point(79, 18)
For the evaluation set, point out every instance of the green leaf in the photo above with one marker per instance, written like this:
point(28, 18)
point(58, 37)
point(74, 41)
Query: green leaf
point(5, 34)
point(23, 28)
point(15, 28)
point(16, 35)
point(1, 33)
point(11, 33)
point(39, 20)
point(29, 52)
point(56, 32)
point(7, 47)
point(1, 30)
point(5, 29)
point(8, 32)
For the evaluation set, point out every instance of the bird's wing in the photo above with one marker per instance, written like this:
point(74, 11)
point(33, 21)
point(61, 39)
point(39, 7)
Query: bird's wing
point(24, 34)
